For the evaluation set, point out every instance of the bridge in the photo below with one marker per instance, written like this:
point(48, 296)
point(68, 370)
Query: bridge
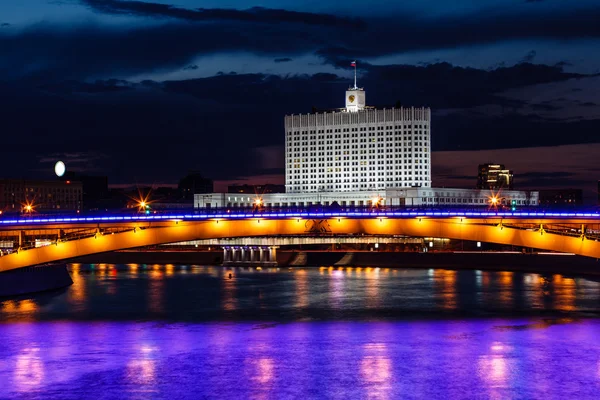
point(45, 239)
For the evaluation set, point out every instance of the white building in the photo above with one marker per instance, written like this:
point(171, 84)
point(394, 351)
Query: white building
point(408, 197)
point(358, 156)
point(358, 148)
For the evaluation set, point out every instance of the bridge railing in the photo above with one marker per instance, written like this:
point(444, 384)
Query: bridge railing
point(314, 209)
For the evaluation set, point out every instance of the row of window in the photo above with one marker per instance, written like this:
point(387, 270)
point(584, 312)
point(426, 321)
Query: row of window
point(359, 129)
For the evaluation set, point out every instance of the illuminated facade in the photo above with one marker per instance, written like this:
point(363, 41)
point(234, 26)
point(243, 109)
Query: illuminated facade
point(494, 176)
point(409, 197)
point(358, 148)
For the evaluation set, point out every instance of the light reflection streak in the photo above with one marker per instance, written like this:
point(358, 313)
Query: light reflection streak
point(155, 291)
point(301, 288)
point(566, 293)
point(29, 370)
point(445, 288)
point(506, 293)
point(142, 369)
point(260, 366)
point(376, 371)
point(372, 287)
point(336, 292)
point(229, 290)
point(494, 369)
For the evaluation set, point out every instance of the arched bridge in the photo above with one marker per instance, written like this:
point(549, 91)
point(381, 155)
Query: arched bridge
point(66, 237)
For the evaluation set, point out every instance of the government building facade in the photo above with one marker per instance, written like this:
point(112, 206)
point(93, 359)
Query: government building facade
point(358, 148)
point(361, 156)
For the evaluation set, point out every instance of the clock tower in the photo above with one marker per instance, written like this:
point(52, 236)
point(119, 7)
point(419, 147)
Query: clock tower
point(355, 99)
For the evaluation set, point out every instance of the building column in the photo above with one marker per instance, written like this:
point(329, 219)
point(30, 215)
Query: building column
point(251, 254)
point(273, 254)
point(261, 256)
point(225, 255)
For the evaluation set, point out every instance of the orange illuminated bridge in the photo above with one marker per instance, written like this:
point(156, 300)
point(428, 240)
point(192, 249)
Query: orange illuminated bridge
point(38, 240)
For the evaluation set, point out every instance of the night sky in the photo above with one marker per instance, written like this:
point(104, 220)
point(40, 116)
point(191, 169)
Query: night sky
point(146, 91)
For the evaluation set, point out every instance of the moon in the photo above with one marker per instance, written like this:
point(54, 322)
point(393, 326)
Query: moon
point(59, 168)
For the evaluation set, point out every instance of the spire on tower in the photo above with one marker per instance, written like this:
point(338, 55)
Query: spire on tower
point(353, 64)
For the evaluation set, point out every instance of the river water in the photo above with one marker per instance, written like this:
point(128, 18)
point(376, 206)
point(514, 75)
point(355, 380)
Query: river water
point(189, 332)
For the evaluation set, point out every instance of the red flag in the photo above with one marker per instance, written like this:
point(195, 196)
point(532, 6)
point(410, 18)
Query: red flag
point(353, 64)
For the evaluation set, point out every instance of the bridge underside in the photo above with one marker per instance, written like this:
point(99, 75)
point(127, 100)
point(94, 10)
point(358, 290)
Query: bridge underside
point(67, 242)
point(305, 239)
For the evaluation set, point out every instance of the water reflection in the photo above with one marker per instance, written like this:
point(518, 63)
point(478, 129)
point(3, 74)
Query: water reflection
point(376, 371)
point(445, 288)
point(336, 288)
point(29, 370)
point(229, 288)
point(362, 355)
point(198, 292)
point(141, 370)
point(302, 293)
point(372, 287)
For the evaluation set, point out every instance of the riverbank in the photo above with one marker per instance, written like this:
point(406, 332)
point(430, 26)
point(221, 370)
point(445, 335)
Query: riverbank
point(494, 261)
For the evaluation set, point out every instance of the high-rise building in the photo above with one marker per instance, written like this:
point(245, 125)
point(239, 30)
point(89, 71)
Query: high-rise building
point(358, 148)
point(494, 176)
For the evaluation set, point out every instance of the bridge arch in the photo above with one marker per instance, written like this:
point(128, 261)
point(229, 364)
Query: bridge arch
point(179, 231)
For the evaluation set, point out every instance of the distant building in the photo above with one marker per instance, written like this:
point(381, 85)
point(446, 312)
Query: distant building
point(17, 194)
point(561, 198)
point(406, 197)
point(192, 184)
point(256, 189)
point(95, 189)
point(494, 176)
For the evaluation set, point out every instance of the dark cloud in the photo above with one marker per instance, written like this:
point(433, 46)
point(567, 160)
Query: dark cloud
point(462, 30)
point(282, 60)
point(4, 25)
point(99, 86)
point(562, 64)
point(546, 175)
point(255, 14)
point(544, 107)
point(529, 57)
point(87, 50)
point(190, 67)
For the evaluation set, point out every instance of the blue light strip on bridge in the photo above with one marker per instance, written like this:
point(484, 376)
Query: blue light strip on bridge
point(302, 215)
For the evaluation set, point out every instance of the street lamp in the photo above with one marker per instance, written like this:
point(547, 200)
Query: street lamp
point(375, 201)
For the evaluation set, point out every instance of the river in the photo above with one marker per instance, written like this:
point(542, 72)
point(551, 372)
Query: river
point(179, 332)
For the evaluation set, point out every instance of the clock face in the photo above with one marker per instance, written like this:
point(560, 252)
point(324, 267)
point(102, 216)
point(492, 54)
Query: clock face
point(351, 98)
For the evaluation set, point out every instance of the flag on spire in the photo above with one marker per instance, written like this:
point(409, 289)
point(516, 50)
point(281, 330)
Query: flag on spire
point(353, 64)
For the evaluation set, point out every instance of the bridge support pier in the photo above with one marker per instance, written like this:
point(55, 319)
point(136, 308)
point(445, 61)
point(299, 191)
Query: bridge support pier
point(246, 256)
